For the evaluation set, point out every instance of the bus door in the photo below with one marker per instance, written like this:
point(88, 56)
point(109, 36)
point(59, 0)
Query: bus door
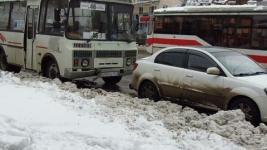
point(32, 17)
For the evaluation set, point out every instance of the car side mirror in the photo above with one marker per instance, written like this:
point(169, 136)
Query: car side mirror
point(213, 71)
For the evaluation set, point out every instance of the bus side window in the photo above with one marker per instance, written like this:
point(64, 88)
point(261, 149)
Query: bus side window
point(18, 16)
point(4, 15)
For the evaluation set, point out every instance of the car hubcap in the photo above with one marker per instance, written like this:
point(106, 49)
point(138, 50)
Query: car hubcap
point(246, 109)
point(148, 91)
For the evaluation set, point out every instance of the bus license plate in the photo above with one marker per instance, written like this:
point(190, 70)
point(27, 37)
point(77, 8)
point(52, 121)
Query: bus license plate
point(109, 74)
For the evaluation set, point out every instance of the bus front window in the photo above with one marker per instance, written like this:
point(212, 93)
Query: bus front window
point(87, 20)
point(121, 22)
point(99, 21)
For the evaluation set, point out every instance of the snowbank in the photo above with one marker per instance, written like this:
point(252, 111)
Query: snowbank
point(38, 113)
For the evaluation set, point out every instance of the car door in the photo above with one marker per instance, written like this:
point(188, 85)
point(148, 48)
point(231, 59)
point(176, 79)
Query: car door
point(169, 71)
point(200, 87)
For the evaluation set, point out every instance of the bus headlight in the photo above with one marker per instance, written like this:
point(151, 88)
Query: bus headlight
point(85, 63)
point(128, 61)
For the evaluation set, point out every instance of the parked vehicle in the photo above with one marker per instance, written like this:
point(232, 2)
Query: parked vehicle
point(219, 78)
point(68, 38)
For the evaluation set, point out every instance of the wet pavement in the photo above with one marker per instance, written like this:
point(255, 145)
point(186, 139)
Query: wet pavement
point(123, 85)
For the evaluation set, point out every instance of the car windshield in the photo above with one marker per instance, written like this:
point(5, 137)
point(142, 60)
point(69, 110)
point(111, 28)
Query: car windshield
point(102, 21)
point(238, 64)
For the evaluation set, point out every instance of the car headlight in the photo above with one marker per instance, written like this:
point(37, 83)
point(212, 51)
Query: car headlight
point(85, 63)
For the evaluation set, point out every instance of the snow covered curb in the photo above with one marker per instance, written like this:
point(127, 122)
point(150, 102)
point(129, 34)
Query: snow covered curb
point(161, 125)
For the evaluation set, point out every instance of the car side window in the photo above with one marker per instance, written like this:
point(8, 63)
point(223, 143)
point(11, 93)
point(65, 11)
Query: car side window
point(176, 59)
point(200, 62)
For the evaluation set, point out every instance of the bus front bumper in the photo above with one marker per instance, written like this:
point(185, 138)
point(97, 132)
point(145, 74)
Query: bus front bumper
point(79, 73)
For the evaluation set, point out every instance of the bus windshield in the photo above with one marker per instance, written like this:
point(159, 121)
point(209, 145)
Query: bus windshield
point(99, 21)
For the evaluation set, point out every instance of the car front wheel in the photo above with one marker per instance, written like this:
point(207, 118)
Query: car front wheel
point(148, 90)
point(249, 108)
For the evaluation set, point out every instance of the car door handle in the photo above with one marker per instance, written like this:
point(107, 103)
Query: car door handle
point(157, 70)
point(189, 76)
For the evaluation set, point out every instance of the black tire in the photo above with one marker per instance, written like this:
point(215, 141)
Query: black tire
point(148, 90)
point(3, 62)
point(112, 80)
point(249, 107)
point(15, 69)
point(51, 70)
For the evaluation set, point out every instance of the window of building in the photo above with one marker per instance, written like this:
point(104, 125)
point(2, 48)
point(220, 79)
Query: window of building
point(152, 8)
point(141, 10)
point(176, 59)
point(4, 15)
point(17, 22)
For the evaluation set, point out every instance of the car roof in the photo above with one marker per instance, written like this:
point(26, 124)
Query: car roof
point(208, 49)
point(215, 49)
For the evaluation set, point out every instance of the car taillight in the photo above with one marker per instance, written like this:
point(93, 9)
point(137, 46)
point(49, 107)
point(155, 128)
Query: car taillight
point(135, 65)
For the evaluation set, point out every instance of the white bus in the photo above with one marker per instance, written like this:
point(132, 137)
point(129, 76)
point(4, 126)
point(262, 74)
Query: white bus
point(68, 38)
point(243, 27)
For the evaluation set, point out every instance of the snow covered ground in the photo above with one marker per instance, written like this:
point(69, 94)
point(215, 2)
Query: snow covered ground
point(41, 114)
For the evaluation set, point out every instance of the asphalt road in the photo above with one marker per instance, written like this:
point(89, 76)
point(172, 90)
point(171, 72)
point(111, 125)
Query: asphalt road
point(123, 85)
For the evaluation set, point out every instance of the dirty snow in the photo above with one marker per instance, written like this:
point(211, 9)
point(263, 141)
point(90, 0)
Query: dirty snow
point(39, 114)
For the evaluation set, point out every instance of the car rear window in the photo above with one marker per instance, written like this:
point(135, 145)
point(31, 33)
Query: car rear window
point(176, 59)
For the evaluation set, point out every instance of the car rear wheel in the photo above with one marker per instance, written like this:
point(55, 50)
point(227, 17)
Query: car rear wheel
point(249, 108)
point(112, 80)
point(148, 90)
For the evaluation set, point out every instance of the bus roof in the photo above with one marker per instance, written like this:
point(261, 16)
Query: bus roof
point(212, 9)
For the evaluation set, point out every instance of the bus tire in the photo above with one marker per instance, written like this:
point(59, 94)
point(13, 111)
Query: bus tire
point(112, 80)
point(14, 68)
point(3, 61)
point(51, 70)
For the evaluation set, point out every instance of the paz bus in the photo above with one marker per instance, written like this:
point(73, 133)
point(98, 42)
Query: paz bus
point(68, 38)
point(241, 27)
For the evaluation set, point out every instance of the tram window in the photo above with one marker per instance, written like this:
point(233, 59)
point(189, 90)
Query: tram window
point(53, 17)
point(259, 33)
point(4, 15)
point(168, 25)
point(18, 16)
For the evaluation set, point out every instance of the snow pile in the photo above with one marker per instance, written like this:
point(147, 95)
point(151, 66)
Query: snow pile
point(46, 114)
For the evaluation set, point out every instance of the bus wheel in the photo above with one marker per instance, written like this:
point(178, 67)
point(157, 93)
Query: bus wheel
point(15, 69)
point(112, 80)
point(51, 70)
point(3, 61)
